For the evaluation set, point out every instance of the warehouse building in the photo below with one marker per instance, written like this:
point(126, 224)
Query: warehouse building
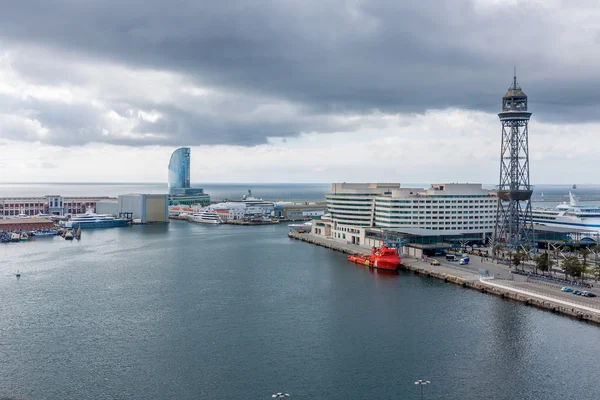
point(142, 208)
point(25, 224)
point(299, 211)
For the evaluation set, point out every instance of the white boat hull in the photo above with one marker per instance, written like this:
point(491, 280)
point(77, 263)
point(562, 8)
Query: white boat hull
point(205, 221)
point(587, 225)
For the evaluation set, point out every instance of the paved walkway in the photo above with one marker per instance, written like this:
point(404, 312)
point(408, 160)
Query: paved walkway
point(502, 272)
point(553, 299)
point(348, 248)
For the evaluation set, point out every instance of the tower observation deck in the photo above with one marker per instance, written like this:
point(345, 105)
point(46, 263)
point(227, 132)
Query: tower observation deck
point(514, 223)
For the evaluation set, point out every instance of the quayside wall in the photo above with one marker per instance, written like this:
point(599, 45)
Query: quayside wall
point(471, 282)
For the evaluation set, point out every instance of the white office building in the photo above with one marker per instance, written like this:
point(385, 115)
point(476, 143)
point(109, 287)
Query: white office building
point(456, 207)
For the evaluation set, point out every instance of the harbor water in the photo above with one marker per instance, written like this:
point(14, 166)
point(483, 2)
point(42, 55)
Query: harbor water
point(194, 311)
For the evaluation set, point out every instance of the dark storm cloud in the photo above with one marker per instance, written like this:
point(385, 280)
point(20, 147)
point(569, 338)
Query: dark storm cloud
point(323, 56)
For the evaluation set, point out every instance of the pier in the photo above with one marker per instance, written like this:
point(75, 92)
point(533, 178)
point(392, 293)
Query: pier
point(500, 283)
point(247, 223)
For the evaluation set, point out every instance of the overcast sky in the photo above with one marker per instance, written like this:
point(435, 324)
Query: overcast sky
point(296, 90)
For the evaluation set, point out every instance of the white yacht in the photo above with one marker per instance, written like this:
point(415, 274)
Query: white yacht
point(206, 217)
point(306, 226)
point(93, 220)
point(22, 214)
point(569, 215)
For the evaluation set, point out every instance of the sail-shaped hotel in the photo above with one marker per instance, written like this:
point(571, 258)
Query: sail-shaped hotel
point(180, 191)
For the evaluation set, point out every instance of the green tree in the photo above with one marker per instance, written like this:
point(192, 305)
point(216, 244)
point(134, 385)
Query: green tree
point(517, 258)
point(585, 253)
point(596, 265)
point(526, 255)
point(542, 262)
point(572, 266)
point(496, 250)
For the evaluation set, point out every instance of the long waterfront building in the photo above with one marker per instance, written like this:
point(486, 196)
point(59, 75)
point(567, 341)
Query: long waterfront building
point(456, 207)
point(49, 204)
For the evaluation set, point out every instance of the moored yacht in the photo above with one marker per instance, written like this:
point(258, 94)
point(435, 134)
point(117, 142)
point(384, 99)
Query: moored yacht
point(206, 217)
point(93, 220)
point(569, 215)
point(22, 214)
point(50, 232)
point(306, 226)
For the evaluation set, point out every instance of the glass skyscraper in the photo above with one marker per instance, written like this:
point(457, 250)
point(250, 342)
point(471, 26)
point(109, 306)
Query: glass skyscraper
point(179, 171)
point(179, 181)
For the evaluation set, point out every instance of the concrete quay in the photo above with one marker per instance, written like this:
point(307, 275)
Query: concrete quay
point(500, 282)
point(329, 243)
point(248, 223)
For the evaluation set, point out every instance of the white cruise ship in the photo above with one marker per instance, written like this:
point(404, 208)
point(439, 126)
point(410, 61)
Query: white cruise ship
point(206, 217)
point(571, 215)
point(248, 207)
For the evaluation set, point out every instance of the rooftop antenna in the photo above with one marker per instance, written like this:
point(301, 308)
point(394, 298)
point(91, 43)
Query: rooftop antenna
point(515, 84)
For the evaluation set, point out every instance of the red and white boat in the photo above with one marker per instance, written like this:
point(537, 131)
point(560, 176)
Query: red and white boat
point(382, 258)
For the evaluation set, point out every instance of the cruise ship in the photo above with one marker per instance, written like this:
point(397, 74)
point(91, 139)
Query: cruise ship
point(248, 207)
point(206, 217)
point(569, 215)
point(93, 220)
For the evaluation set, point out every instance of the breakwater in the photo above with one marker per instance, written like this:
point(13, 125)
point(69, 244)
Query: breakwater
point(466, 280)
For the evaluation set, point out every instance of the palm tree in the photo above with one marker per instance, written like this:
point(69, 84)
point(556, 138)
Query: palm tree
point(527, 255)
point(596, 265)
point(542, 262)
point(496, 250)
point(572, 266)
point(516, 260)
point(585, 252)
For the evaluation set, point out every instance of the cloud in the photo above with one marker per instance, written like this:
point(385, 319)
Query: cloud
point(211, 72)
point(314, 90)
point(442, 146)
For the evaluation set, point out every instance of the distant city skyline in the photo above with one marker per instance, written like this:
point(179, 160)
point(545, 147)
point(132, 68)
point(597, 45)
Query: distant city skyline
point(298, 92)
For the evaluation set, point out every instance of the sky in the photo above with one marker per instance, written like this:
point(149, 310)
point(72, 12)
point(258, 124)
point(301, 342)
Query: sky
point(295, 90)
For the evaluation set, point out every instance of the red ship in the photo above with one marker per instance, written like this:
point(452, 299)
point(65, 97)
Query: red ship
point(382, 258)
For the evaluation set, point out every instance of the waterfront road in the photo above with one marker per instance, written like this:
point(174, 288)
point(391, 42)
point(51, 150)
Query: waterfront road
point(502, 272)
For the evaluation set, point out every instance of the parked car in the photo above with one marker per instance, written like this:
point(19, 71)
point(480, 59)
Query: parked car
point(435, 262)
point(590, 294)
point(576, 291)
point(566, 289)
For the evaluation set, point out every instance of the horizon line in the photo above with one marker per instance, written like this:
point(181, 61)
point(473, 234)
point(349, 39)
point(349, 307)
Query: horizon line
point(257, 183)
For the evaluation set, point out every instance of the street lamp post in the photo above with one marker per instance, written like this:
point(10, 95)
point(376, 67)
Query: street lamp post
point(422, 383)
point(280, 395)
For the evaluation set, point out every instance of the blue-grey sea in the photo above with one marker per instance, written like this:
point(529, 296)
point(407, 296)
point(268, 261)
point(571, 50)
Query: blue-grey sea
point(543, 194)
point(189, 311)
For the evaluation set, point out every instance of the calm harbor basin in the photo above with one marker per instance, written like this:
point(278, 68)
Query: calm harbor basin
point(191, 311)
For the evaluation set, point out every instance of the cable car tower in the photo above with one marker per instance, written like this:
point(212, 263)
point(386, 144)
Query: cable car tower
point(514, 227)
